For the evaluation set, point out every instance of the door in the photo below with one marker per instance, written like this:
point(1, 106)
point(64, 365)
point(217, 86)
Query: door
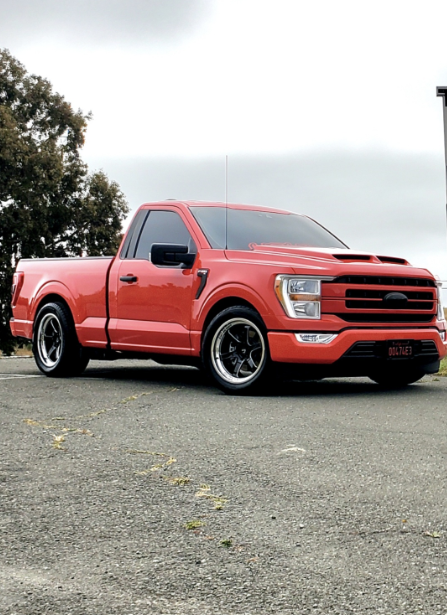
point(151, 307)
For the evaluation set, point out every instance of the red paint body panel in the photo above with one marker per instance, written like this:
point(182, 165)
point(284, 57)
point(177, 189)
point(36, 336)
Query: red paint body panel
point(81, 282)
point(285, 348)
point(160, 314)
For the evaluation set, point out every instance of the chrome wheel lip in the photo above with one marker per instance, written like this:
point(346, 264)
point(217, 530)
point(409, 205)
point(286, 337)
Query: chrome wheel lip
point(216, 347)
point(49, 340)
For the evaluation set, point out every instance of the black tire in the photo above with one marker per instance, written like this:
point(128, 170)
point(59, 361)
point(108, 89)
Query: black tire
point(235, 351)
point(394, 378)
point(56, 349)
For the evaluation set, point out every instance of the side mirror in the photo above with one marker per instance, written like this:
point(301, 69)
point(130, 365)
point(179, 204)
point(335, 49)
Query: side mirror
point(171, 254)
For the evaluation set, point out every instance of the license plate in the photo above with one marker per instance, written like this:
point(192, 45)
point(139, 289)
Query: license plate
point(400, 349)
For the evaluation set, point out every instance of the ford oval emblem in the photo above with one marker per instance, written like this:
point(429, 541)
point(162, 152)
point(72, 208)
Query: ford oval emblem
point(395, 300)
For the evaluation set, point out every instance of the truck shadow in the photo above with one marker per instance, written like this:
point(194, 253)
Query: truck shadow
point(195, 379)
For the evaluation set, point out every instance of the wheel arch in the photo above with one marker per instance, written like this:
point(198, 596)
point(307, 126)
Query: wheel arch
point(52, 298)
point(223, 304)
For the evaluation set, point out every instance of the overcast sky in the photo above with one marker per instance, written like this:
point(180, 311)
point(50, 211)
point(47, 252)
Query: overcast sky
point(323, 107)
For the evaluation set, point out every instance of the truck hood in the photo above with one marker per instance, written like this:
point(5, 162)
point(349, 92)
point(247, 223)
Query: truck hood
point(326, 261)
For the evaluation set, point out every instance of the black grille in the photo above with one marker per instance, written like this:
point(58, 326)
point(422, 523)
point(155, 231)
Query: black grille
point(377, 350)
point(391, 317)
point(379, 305)
point(357, 293)
point(428, 347)
point(383, 281)
point(362, 350)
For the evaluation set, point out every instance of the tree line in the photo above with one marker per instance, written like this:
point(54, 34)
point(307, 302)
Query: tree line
point(50, 205)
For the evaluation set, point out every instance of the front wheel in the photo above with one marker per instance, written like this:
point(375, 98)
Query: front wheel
point(235, 350)
point(56, 349)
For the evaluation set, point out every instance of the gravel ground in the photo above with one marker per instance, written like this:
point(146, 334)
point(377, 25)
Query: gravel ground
point(139, 489)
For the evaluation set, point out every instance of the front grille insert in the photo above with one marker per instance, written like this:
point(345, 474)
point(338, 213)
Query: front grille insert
point(381, 299)
point(383, 281)
point(358, 293)
point(379, 305)
point(385, 317)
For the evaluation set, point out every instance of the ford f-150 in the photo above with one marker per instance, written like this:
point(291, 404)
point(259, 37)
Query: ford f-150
point(243, 291)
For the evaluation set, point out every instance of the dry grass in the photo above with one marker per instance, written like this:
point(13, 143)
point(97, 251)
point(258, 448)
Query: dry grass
point(25, 351)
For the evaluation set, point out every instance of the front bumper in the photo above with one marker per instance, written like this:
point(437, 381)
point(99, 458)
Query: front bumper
point(285, 348)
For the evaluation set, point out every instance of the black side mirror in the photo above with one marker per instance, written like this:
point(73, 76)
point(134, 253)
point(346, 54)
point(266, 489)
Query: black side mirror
point(171, 254)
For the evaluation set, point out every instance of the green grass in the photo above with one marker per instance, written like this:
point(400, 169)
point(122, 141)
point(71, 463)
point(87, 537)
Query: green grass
point(443, 368)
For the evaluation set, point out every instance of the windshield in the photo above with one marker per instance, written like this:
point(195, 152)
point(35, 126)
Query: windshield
point(247, 228)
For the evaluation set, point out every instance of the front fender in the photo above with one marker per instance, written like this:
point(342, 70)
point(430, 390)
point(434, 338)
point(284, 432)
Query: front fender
point(225, 292)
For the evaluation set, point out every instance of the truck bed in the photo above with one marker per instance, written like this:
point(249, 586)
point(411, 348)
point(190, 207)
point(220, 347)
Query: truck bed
point(80, 281)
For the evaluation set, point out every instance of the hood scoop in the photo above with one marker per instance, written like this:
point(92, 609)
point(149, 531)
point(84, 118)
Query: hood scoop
point(353, 257)
point(371, 259)
point(393, 260)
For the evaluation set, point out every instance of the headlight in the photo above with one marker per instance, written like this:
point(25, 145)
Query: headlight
point(300, 297)
point(440, 315)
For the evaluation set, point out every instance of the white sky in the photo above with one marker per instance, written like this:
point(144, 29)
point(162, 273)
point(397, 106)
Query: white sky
point(177, 84)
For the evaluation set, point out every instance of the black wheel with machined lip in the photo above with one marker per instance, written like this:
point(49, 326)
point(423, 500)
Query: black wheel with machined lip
point(235, 350)
point(56, 348)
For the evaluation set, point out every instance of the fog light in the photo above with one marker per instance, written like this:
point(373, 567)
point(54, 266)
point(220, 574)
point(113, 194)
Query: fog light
point(442, 335)
point(316, 338)
point(307, 309)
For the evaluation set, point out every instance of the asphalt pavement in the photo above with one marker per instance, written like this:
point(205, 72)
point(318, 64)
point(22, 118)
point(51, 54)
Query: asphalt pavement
point(141, 489)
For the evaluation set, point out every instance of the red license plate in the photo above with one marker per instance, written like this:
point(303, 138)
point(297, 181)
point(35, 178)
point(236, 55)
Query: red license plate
point(400, 349)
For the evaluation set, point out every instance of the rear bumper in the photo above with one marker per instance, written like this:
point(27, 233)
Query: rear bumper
point(21, 328)
point(285, 348)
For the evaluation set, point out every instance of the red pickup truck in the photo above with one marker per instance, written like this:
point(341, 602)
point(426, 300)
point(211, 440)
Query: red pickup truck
point(243, 291)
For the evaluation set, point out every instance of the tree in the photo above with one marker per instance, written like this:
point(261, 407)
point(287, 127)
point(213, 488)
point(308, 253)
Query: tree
point(49, 204)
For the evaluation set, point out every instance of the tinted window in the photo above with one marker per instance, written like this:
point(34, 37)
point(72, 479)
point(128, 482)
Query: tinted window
point(244, 228)
point(163, 227)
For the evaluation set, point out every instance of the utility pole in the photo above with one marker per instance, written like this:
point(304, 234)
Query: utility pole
point(442, 91)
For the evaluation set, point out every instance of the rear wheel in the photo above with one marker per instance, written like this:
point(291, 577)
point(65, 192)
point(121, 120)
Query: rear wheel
point(235, 350)
point(397, 378)
point(56, 349)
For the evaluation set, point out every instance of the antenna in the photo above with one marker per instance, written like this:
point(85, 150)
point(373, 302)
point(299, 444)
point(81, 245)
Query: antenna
point(442, 91)
point(226, 202)
point(226, 180)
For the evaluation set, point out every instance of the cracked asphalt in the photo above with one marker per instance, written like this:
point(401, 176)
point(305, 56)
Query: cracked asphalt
point(141, 489)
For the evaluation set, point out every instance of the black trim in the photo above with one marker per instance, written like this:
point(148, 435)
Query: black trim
point(203, 275)
point(386, 317)
point(133, 235)
point(67, 258)
point(338, 331)
point(400, 304)
point(109, 341)
point(352, 257)
point(361, 293)
point(383, 280)
point(423, 349)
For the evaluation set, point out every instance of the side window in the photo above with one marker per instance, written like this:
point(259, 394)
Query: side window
point(163, 227)
point(133, 234)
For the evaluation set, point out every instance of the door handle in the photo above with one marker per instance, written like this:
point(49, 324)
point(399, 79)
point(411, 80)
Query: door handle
point(128, 278)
